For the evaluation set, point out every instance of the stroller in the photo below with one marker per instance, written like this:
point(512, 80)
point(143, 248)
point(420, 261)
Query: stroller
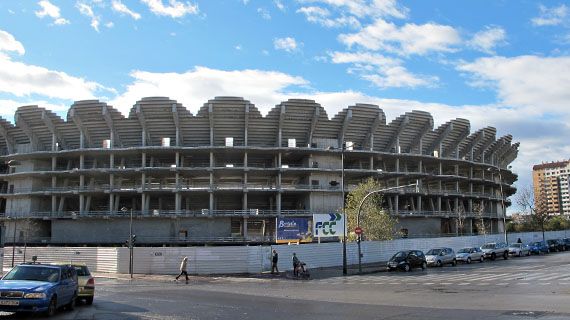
point(302, 271)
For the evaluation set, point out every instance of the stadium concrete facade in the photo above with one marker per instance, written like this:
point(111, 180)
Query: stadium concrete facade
point(225, 173)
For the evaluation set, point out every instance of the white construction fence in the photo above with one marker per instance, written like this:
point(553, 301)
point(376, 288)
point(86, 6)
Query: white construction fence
point(247, 259)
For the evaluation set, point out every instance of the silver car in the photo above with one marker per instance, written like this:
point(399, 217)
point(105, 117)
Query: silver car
point(470, 254)
point(519, 249)
point(440, 256)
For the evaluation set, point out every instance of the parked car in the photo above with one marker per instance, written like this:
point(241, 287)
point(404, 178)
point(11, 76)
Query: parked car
point(555, 245)
point(440, 256)
point(407, 260)
point(493, 250)
point(85, 280)
point(38, 288)
point(566, 243)
point(519, 249)
point(538, 247)
point(469, 254)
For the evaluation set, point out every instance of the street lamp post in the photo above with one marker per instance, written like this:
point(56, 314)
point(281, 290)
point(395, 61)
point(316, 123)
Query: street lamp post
point(130, 242)
point(358, 216)
point(344, 264)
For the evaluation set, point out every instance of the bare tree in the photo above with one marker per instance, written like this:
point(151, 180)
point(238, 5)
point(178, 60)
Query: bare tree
point(535, 206)
point(479, 210)
point(460, 211)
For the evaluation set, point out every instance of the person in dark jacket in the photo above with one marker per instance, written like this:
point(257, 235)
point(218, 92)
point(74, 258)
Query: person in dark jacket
point(274, 260)
point(296, 264)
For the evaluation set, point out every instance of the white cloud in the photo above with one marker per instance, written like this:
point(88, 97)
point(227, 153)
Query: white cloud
point(551, 16)
point(109, 24)
point(382, 71)
point(9, 43)
point(264, 13)
point(323, 17)
point(279, 5)
point(196, 86)
point(238, 47)
point(288, 44)
point(20, 79)
point(50, 10)
point(526, 81)
point(486, 40)
point(174, 9)
point(365, 8)
point(118, 6)
point(406, 40)
point(87, 11)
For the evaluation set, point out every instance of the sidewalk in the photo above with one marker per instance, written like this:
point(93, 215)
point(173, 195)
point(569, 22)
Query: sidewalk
point(317, 273)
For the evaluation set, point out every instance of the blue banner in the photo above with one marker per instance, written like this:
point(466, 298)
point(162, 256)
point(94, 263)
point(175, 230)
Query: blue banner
point(294, 230)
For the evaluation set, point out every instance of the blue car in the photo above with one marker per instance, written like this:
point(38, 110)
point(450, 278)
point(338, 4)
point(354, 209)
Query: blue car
point(538, 247)
point(38, 288)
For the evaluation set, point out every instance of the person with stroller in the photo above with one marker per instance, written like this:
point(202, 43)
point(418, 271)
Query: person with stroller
point(296, 265)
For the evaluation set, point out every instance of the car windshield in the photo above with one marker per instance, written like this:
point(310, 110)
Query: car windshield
point(464, 250)
point(434, 252)
point(488, 246)
point(401, 254)
point(33, 273)
point(516, 245)
point(82, 271)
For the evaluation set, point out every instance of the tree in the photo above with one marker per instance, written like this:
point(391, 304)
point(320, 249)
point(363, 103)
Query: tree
point(479, 210)
point(527, 202)
point(376, 223)
point(460, 219)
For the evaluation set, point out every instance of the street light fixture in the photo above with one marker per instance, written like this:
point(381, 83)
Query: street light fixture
point(344, 264)
point(359, 239)
point(130, 241)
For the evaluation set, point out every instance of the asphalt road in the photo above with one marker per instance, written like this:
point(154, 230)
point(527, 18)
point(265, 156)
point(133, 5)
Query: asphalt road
point(519, 288)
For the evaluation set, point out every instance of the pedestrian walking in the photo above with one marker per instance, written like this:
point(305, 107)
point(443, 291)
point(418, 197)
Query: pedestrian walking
point(274, 260)
point(519, 240)
point(183, 269)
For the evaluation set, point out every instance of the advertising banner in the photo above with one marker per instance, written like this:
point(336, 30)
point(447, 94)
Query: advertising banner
point(328, 225)
point(294, 230)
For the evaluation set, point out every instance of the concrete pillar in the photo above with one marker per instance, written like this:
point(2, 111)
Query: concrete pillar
point(211, 207)
point(245, 227)
point(278, 203)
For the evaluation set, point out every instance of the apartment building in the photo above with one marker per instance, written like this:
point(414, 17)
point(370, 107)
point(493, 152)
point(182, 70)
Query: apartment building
point(225, 173)
point(550, 183)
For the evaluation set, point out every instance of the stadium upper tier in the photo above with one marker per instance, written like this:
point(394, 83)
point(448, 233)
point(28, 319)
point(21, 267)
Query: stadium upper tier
point(235, 122)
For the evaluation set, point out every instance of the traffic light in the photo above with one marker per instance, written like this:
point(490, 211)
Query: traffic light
point(133, 239)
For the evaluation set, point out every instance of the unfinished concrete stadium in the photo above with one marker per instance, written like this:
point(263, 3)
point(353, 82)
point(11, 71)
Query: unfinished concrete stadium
point(224, 174)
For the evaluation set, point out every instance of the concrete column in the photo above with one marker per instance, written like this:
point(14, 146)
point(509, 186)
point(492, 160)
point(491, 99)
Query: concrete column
point(419, 204)
point(245, 228)
point(278, 203)
point(244, 201)
point(371, 162)
point(439, 204)
point(396, 204)
point(211, 208)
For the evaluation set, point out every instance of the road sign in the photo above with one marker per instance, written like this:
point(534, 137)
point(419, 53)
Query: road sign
point(358, 230)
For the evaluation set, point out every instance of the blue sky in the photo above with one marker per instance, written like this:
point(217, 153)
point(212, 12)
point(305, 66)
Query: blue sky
point(499, 63)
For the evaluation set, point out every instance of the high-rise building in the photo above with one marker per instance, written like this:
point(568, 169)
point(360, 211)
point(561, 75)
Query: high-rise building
point(550, 181)
point(227, 172)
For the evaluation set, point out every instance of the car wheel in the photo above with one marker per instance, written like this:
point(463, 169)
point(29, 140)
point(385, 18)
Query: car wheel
point(71, 305)
point(438, 263)
point(406, 267)
point(468, 260)
point(506, 255)
point(454, 262)
point(424, 265)
point(52, 307)
point(528, 254)
point(482, 259)
point(520, 254)
point(493, 256)
point(89, 300)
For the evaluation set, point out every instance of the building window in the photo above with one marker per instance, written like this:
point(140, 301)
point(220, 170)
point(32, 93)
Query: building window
point(107, 144)
point(165, 142)
point(291, 143)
